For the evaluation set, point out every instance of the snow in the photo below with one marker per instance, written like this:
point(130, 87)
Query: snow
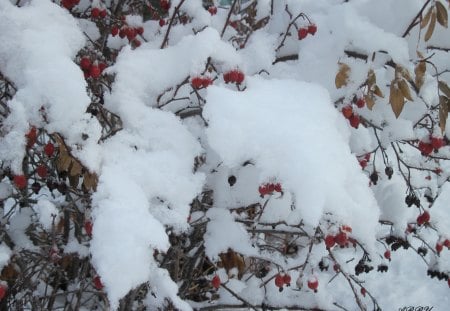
point(272, 123)
point(47, 213)
point(5, 255)
point(223, 234)
point(39, 71)
point(282, 125)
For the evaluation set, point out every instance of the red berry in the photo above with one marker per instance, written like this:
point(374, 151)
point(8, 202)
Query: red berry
point(41, 170)
point(437, 142)
point(313, 283)
point(341, 238)
point(212, 10)
point(426, 216)
point(49, 149)
point(103, 13)
point(346, 228)
point(68, 4)
point(123, 32)
point(102, 66)
point(423, 218)
point(367, 157)
point(131, 34)
point(263, 190)
point(226, 77)
point(287, 279)
point(336, 268)
point(3, 289)
point(197, 82)
point(302, 33)
point(85, 63)
point(354, 121)
point(363, 163)
point(95, 71)
point(329, 241)
point(447, 243)
point(439, 247)
point(277, 187)
point(234, 75)
point(312, 29)
point(140, 30)
point(98, 283)
point(206, 82)
point(448, 282)
point(216, 281)
point(136, 43)
point(114, 31)
point(425, 148)
point(20, 181)
point(387, 254)
point(347, 111)
point(88, 227)
point(240, 77)
point(31, 137)
point(363, 291)
point(360, 103)
point(279, 280)
point(270, 188)
point(95, 12)
point(162, 22)
point(165, 5)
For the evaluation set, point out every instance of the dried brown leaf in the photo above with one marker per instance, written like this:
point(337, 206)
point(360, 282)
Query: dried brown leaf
point(371, 78)
point(426, 18)
point(74, 180)
point(396, 99)
point(442, 14)
point(231, 260)
point(90, 181)
point(377, 91)
point(443, 111)
point(342, 75)
point(75, 169)
point(420, 74)
point(430, 29)
point(443, 87)
point(63, 161)
point(403, 86)
point(370, 102)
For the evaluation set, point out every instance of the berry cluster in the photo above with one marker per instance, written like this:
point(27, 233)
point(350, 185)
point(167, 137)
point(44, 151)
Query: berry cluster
point(342, 239)
point(212, 10)
point(129, 32)
point(69, 4)
point(423, 218)
point(201, 82)
point(305, 31)
point(234, 76)
point(91, 69)
point(351, 116)
point(363, 267)
point(269, 188)
point(281, 280)
point(426, 147)
point(98, 12)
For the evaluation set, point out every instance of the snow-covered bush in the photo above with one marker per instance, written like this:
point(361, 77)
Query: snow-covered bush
point(217, 155)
